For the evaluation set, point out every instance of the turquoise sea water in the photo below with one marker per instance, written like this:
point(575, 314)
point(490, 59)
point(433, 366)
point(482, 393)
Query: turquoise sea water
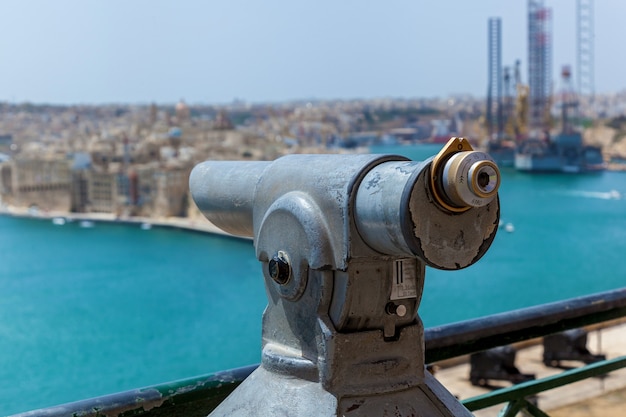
point(92, 311)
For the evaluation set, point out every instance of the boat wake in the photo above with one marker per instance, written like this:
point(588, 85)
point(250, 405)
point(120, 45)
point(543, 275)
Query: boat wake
point(608, 195)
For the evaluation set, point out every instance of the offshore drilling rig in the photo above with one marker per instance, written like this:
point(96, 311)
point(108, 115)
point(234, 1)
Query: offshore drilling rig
point(519, 120)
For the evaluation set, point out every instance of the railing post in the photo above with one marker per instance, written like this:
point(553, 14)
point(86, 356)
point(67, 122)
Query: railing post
point(343, 241)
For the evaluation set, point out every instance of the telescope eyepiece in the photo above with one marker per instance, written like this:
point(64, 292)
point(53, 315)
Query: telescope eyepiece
point(485, 178)
point(462, 178)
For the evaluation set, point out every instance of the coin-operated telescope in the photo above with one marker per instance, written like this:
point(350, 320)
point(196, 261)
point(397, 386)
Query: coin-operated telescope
point(343, 241)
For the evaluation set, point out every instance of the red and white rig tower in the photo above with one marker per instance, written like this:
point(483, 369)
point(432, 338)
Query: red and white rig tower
point(539, 64)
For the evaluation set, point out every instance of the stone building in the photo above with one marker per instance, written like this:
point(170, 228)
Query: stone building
point(172, 192)
point(101, 192)
point(42, 182)
point(146, 188)
point(79, 191)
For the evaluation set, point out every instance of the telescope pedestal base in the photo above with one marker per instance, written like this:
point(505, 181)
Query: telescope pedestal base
point(266, 393)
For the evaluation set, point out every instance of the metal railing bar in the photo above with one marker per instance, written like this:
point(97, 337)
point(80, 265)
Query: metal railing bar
point(534, 411)
point(442, 342)
point(190, 397)
point(533, 387)
point(512, 408)
point(457, 339)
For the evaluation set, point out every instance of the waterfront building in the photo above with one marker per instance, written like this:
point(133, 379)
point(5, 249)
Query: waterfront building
point(6, 184)
point(171, 192)
point(146, 188)
point(79, 192)
point(101, 186)
point(42, 182)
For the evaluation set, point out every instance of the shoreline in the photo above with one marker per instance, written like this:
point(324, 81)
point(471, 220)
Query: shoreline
point(180, 223)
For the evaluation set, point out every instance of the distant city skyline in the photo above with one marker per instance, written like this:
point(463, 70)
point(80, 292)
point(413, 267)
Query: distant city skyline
point(210, 52)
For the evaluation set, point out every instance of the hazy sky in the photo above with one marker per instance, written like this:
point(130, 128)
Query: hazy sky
point(140, 51)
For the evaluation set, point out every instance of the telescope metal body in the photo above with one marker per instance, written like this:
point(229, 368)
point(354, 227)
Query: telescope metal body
point(343, 241)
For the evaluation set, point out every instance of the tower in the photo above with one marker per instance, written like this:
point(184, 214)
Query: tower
point(182, 111)
point(494, 92)
point(539, 63)
point(584, 47)
point(507, 105)
point(568, 101)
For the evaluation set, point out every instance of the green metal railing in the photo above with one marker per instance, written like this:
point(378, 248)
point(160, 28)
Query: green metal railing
point(516, 395)
point(199, 396)
point(188, 397)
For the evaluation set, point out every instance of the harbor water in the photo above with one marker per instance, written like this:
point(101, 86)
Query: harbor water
point(88, 311)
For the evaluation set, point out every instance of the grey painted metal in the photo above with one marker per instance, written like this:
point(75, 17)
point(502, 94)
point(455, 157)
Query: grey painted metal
point(340, 332)
point(224, 192)
point(382, 204)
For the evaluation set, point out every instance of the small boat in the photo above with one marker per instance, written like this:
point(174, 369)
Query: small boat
point(509, 228)
point(615, 195)
point(86, 223)
point(146, 226)
point(58, 221)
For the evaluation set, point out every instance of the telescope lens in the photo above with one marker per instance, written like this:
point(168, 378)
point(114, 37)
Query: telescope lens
point(484, 178)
